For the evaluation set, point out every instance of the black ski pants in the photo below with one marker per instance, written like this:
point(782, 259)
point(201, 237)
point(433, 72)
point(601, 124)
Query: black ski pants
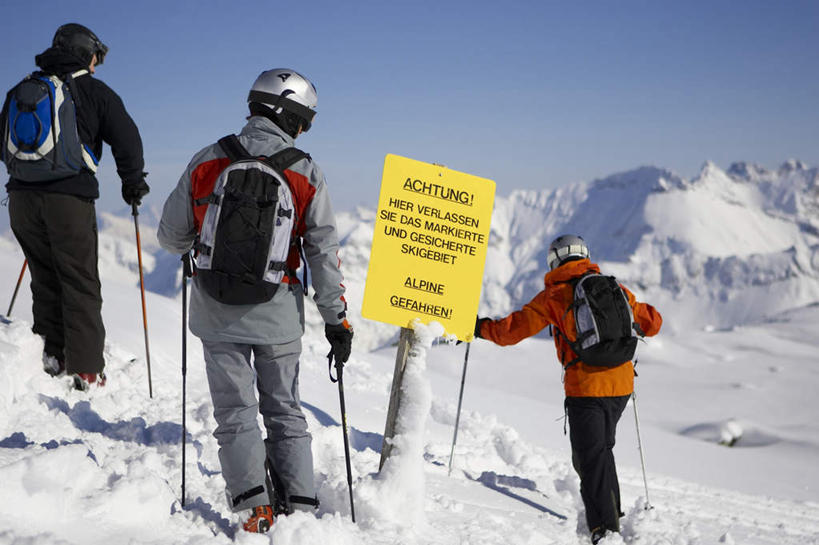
point(58, 234)
point(593, 424)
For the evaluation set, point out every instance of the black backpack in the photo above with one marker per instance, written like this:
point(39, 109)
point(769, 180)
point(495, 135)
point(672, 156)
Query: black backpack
point(246, 234)
point(606, 330)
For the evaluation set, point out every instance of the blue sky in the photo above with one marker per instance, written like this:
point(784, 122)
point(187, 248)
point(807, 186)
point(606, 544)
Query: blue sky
point(531, 94)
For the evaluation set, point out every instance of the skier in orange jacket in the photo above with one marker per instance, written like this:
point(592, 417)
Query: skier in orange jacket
point(595, 396)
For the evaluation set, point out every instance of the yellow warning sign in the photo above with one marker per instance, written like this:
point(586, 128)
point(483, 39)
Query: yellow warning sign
point(429, 246)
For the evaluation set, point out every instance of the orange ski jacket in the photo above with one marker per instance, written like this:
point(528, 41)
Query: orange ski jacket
point(549, 308)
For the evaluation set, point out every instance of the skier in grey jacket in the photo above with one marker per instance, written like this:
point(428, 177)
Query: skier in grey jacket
point(282, 104)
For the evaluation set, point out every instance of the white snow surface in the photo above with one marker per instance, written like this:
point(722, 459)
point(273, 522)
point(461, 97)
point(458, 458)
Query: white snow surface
point(730, 258)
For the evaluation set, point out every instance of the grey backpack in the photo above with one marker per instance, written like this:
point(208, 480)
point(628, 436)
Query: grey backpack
point(247, 232)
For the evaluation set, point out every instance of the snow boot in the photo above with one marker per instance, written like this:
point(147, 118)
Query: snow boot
point(53, 365)
point(598, 534)
point(260, 521)
point(83, 381)
point(601, 532)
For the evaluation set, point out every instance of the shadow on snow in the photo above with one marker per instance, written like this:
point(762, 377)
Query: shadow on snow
point(359, 440)
point(495, 482)
point(135, 430)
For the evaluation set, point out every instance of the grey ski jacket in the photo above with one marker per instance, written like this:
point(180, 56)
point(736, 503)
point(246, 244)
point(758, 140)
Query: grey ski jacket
point(281, 319)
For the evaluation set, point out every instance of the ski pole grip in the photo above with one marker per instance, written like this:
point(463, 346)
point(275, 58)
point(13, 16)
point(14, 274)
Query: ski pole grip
point(187, 269)
point(134, 209)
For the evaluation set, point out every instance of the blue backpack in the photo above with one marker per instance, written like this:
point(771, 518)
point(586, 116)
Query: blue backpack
point(40, 139)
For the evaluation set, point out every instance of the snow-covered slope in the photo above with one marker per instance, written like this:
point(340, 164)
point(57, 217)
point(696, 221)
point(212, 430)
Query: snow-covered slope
point(730, 258)
point(106, 467)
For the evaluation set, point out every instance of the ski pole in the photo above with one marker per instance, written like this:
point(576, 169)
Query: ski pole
point(458, 416)
point(186, 273)
point(339, 379)
point(640, 446)
point(135, 213)
point(17, 287)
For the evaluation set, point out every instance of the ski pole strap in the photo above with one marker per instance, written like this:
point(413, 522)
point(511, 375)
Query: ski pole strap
point(339, 367)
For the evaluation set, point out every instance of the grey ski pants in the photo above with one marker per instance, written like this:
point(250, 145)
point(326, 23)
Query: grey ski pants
point(242, 452)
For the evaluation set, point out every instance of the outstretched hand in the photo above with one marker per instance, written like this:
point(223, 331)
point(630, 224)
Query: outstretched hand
point(477, 333)
point(478, 323)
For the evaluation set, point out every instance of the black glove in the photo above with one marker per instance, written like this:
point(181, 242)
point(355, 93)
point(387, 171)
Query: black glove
point(478, 323)
point(340, 337)
point(132, 192)
point(477, 333)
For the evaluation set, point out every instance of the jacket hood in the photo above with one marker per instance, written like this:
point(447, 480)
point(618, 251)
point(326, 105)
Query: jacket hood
point(570, 270)
point(259, 126)
point(56, 61)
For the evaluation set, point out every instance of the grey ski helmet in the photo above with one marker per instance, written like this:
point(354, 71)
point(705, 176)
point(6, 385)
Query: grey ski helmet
point(564, 248)
point(285, 90)
point(79, 41)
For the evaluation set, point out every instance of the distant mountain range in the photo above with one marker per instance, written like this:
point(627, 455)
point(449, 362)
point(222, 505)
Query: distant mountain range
point(723, 249)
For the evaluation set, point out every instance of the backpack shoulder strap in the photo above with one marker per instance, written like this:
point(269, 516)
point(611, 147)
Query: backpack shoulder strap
point(281, 161)
point(573, 345)
point(75, 95)
point(233, 148)
point(284, 159)
point(573, 282)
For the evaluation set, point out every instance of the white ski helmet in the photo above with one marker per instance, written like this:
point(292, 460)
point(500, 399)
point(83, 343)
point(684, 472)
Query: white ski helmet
point(564, 248)
point(285, 90)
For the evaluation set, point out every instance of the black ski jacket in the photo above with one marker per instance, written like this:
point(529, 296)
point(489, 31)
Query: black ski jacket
point(101, 117)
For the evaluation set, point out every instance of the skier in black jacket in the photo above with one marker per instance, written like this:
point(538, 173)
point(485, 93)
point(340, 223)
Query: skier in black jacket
point(55, 221)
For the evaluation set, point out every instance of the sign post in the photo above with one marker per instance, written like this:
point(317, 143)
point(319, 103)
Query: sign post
point(404, 343)
point(428, 254)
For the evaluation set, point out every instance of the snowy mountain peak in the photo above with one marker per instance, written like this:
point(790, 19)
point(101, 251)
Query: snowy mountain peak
point(751, 172)
point(792, 165)
point(710, 173)
point(643, 179)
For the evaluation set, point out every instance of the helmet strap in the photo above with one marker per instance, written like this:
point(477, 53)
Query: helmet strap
point(281, 101)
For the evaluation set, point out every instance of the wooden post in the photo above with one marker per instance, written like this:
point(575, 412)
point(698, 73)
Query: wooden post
point(404, 343)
